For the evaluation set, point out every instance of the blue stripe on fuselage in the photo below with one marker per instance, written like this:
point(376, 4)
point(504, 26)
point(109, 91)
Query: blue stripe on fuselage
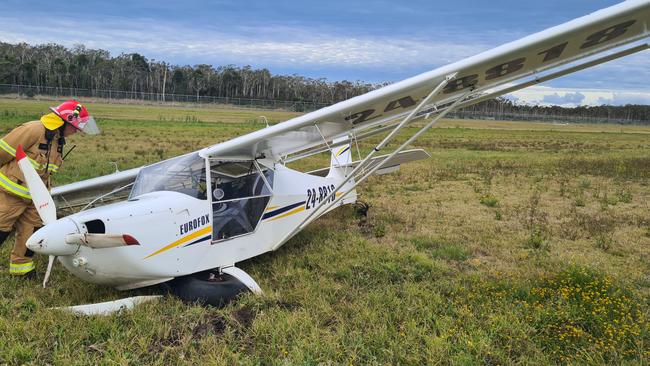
point(268, 215)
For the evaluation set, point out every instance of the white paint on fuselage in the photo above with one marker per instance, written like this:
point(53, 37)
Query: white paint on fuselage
point(154, 220)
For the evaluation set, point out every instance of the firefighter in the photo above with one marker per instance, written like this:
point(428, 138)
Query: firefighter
point(43, 141)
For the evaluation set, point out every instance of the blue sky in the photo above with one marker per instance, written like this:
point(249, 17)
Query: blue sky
point(372, 41)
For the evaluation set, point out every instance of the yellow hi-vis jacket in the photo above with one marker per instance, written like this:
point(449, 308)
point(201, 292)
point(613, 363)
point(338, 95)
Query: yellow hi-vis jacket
point(31, 136)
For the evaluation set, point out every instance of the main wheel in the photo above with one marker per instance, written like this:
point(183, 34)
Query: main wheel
point(207, 288)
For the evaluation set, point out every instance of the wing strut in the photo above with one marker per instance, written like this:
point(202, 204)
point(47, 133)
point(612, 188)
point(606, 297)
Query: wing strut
point(378, 148)
point(433, 121)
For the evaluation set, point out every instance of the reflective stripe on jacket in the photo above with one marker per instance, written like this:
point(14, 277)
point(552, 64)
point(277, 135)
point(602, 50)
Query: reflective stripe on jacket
point(31, 136)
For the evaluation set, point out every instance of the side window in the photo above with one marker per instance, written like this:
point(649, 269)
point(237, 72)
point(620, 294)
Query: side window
point(240, 194)
point(250, 185)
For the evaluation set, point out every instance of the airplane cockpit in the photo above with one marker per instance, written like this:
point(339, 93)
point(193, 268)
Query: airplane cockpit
point(239, 190)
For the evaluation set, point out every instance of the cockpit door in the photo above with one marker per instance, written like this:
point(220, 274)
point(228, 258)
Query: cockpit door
point(239, 194)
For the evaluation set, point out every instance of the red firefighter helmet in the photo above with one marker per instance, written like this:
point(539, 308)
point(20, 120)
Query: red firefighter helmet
point(74, 113)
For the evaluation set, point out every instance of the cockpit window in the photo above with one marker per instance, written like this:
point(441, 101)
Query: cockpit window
point(184, 174)
point(234, 180)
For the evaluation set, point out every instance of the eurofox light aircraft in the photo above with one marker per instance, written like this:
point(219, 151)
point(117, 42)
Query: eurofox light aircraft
point(192, 218)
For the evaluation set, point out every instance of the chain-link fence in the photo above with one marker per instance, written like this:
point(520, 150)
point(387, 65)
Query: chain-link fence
point(43, 92)
point(540, 117)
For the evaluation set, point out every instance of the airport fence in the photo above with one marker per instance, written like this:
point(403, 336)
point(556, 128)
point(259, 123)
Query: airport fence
point(541, 117)
point(45, 92)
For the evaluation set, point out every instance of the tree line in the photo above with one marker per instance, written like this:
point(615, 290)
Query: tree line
point(505, 109)
point(52, 65)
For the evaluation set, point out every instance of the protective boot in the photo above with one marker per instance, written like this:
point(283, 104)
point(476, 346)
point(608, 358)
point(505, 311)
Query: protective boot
point(22, 261)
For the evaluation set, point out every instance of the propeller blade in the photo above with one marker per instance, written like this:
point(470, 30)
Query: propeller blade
point(110, 307)
point(40, 196)
point(37, 189)
point(50, 263)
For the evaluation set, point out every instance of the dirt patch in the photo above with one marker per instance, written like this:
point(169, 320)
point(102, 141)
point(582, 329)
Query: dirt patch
point(244, 317)
point(215, 324)
point(174, 339)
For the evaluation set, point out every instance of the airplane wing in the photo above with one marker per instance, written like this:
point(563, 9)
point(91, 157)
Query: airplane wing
point(108, 188)
point(579, 39)
point(576, 41)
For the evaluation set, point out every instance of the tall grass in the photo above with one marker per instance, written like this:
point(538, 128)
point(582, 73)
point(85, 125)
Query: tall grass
point(514, 244)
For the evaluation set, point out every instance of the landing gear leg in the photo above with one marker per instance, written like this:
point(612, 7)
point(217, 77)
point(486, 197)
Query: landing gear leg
point(361, 210)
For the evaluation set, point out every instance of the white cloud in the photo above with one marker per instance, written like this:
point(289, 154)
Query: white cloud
point(259, 46)
point(567, 98)
point(571, 97)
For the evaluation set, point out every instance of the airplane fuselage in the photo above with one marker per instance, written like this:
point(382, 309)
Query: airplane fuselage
point(178, 234)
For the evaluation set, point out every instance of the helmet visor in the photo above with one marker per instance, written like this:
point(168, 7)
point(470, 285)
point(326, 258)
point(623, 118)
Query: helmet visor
point(88, 126)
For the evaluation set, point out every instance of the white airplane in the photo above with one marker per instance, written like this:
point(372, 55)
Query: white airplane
point(189, 220)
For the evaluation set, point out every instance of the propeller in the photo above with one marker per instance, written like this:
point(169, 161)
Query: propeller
point(47, 211)
point(40, 196)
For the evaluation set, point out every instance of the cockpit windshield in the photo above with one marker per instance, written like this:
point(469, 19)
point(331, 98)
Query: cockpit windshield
point(184, 174)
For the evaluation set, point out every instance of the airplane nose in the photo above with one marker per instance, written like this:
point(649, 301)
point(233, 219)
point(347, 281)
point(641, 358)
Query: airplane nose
point(50, 239)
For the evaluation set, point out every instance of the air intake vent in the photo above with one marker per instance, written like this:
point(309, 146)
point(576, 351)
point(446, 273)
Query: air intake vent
point(95, 227)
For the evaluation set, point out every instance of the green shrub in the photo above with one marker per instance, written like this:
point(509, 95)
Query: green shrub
point(536, 239)
point(604, 241)
point(579, 201)
point(624, 195)
point(380, 230)
point(450, 252)
point(440, 249)
point(489, 200)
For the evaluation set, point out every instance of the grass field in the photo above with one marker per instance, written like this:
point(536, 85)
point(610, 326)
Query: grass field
point(516, 243)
